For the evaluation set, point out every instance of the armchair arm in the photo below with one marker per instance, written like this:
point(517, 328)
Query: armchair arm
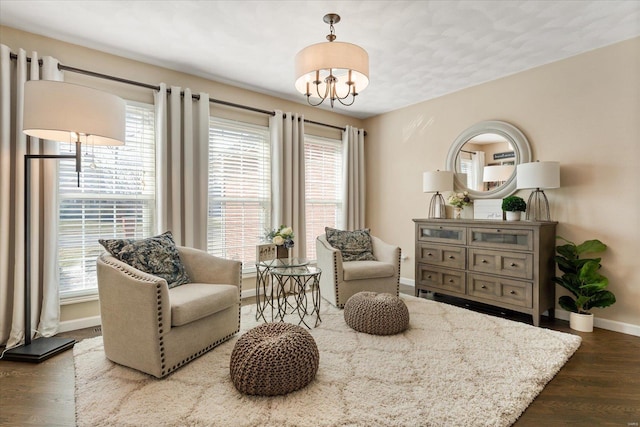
point(135, 311)
point(205, 268)
point(330, 262)
point(386, 253)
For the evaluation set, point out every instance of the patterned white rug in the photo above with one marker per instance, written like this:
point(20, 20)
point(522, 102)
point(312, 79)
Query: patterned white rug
point(451, 367)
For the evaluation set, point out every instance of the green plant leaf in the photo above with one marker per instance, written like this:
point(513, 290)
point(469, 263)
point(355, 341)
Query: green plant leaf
point(568, 251)
point(567, 303)
point(589, 272)
point(590, 246)
point(570, 283)
point(601, 300)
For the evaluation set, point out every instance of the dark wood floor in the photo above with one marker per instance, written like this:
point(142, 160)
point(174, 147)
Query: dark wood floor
point(599, 385)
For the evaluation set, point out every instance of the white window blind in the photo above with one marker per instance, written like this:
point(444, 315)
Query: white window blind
point(323, 187)
point(239, 189)
point(116, 199)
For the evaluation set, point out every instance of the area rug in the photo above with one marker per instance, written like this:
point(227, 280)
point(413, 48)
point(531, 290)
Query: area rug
point(451, 367)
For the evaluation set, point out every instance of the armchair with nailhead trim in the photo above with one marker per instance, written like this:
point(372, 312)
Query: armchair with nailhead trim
point(154, 329)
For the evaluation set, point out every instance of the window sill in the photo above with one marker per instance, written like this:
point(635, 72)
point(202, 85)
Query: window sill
point(78, 299)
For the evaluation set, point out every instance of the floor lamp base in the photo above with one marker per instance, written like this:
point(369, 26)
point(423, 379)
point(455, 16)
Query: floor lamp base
point(39, 350)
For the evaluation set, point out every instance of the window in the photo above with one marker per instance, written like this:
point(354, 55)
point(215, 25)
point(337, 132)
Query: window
point(239, 189)
point(323, 187)
point(116, 199)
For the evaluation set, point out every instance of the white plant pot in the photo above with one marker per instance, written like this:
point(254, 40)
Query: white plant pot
point(581, 322)
point(513, 216)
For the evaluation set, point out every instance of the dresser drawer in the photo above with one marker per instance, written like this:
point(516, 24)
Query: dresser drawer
point(512, 264)
point(500, 289)
point(442, 255)
point(501, 238)
point(441, 234)
point(441, 278)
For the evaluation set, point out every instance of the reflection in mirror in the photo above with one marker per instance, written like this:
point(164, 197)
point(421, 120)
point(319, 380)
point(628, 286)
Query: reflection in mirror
point(485, 162)
point(484, 159)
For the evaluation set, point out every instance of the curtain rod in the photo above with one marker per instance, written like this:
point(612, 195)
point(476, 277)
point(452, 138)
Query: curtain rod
point(62, 67)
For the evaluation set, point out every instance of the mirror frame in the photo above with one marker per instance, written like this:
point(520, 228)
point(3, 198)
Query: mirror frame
point(510, 133)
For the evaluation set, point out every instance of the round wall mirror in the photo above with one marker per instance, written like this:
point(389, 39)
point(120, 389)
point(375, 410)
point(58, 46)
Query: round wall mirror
point(484, 157)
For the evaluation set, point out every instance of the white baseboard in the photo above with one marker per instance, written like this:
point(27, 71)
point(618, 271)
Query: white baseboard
point(75, 324)
point(610, 325)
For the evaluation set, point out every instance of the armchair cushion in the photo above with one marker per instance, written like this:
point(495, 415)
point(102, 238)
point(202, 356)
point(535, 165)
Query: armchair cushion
point(156, 255)
point(358, 270)
point(354, 245)
point(194, 301)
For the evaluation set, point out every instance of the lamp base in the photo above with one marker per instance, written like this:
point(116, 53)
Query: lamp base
point(39, 350)
point(538, 206)
point(437, 207)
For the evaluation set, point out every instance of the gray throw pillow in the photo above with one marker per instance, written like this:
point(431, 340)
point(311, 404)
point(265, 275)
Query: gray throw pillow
point(354, 245)
point(156, 255)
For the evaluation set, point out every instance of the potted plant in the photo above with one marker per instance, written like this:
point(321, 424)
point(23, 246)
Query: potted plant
point(459, 201)
point(581, 278)
point(513, 206)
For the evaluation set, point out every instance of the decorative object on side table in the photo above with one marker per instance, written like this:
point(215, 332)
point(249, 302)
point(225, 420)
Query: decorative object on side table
point(538, 175)
point(459, 201)
point(437, 181)
point(282, 237)
point(581, 278)
point(513, 206)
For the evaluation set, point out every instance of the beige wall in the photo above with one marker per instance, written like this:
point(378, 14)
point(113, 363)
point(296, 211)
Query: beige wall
point(583, 111)
point(76, 56)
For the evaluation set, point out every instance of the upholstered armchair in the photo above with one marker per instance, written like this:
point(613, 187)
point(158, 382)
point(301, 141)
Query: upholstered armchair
point(340, 280)
point(156, 329)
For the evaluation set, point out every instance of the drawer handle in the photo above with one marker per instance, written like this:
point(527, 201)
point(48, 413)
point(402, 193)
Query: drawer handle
point(513, 264)
point(498, 230)
point(429, 254)
point(483, 287)
point(484, 261)
point(451, 257)
point(450, 280)
point(512, 292)
point(429, 277)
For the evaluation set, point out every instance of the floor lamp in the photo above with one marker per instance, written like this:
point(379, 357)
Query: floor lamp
point(63, 112)
point(538, 175)
point(437, 181)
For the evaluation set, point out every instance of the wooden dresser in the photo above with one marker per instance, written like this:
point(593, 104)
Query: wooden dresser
point(507, 264)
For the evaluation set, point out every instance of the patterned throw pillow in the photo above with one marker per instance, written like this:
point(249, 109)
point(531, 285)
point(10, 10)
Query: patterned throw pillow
point(156, 255)
point(354, 245)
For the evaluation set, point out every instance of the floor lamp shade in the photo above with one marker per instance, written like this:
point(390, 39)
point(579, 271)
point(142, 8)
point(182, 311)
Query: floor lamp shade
point(538, 175)
point(436, 182)
point(53, 110)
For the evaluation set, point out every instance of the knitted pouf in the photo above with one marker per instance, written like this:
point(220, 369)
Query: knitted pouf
point(377, 314)
point(273, 359)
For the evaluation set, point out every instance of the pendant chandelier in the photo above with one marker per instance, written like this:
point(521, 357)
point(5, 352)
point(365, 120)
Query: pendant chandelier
point(332, 70)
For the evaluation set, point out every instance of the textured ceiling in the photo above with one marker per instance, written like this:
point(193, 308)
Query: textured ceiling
point(418, 50)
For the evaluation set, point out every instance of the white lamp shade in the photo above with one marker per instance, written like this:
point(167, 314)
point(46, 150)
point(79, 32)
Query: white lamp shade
point(336, 57)
point(437, 181)
point(498, 173)
point(538, 175)
point(53, 110)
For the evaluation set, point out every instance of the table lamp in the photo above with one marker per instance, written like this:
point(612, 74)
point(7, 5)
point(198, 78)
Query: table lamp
point(61, 112)
point(538, 175)
point(436, 182)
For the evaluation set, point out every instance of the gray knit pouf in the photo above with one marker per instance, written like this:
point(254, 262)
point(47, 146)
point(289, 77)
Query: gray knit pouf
point(377, 314)
point(273, 359)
